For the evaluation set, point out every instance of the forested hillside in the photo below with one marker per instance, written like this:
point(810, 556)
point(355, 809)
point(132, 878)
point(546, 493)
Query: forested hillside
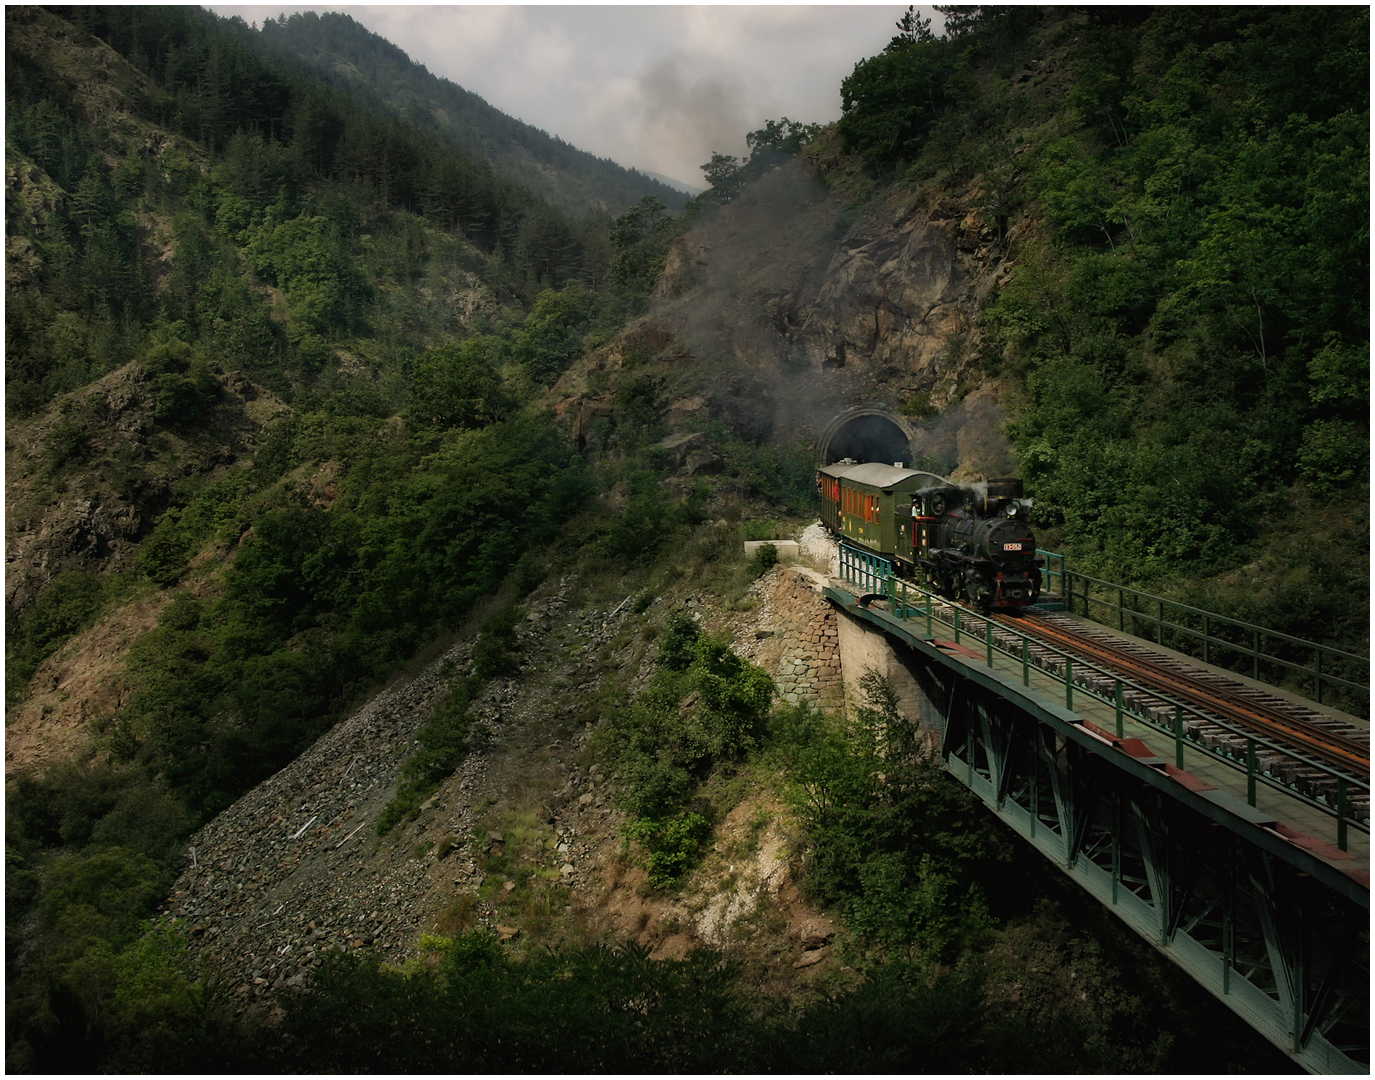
point(249, 146)
point(339, 52)
point(304, 384)
point(1187, 325)
point(251, 327)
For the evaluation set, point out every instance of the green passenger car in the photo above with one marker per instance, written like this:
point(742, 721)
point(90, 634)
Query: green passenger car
point(870, 506)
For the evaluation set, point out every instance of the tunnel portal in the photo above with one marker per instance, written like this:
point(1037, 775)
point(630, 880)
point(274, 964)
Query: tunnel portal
point(868, 433)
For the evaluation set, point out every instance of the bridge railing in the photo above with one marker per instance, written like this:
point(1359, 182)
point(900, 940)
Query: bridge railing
point(1318, 672)
point(864, 569)
point(1344, 798)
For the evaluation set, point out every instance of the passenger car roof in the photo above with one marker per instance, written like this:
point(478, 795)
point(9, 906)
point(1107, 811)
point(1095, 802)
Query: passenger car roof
point(885, 477)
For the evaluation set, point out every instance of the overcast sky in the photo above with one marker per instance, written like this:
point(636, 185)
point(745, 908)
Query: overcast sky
point(655, 88)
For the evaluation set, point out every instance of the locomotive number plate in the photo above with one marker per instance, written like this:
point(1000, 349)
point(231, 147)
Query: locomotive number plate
point(1017, 546)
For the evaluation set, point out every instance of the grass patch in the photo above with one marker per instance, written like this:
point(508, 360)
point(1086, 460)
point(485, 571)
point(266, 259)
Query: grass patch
point(442, 741)
point(444, 736)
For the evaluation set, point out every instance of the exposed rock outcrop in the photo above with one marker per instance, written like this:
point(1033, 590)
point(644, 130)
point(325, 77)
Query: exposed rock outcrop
point(89, 513)
point(780, 311)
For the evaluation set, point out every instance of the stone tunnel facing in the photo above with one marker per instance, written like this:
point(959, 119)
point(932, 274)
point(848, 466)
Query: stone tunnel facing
point(868, 437)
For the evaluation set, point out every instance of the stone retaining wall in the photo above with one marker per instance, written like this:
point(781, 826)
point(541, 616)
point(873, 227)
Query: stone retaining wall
point(809, 657)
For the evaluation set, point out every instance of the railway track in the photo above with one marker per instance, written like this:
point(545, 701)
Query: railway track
point(1298, 747)
point(1337, 743)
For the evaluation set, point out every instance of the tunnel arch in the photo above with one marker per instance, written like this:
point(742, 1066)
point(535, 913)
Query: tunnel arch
point(868, 433)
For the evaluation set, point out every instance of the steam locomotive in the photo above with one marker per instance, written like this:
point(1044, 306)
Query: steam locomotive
point(968, 542)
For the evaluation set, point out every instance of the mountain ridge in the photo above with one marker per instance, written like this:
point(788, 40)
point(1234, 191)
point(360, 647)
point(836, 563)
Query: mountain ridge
point(338, 49)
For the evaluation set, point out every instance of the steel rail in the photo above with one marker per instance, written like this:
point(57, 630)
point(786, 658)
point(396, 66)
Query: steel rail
point(1310, 738)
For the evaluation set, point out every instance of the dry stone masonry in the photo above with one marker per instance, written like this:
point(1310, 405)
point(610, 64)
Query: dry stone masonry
point(809, 663)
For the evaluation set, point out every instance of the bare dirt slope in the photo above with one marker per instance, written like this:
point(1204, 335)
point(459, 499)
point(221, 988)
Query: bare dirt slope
point(80, 686)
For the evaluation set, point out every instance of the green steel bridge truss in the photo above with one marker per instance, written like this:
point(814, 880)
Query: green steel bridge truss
point(1272, 930)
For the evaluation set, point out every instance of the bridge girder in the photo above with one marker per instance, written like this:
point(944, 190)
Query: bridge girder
point(1268, 929)
point(1271, 942)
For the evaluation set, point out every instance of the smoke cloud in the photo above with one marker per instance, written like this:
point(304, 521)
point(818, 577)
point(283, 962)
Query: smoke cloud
point(677, 114)
point(966, 441)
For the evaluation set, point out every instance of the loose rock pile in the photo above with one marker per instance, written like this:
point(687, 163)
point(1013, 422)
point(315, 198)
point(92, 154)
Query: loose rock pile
point(295, 868)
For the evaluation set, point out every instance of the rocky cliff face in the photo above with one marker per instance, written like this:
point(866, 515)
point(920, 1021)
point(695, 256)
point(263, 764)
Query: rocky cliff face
point(787, 307)
point(900, 296)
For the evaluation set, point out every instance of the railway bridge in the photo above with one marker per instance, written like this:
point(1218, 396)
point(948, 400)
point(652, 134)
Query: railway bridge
point(1242, 853)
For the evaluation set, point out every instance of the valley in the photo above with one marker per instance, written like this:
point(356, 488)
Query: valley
point(382, 653)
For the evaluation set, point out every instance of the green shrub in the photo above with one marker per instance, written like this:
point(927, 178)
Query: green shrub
point(639, 532)
point(761, 530)
point(784, 474)
point(734, 698)
point(67, 440)
point(674, 844)
point(765, 559)
point(529, 573)
point(1334, 457)
point(443, 740)
point(553, 334)
point(103, 893)
point(651, 786)
point(863, 789)
point(457, 386)
point(494, 652)
point(162, 555)
point(703, 707)
point(717, 544)
point(677, 648)
point(180, 382)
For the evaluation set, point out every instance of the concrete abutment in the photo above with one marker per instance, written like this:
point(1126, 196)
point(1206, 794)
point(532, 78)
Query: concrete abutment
point(921, 696)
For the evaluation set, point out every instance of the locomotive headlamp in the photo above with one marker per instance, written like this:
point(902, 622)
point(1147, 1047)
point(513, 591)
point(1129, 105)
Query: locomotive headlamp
point(1012, 509)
